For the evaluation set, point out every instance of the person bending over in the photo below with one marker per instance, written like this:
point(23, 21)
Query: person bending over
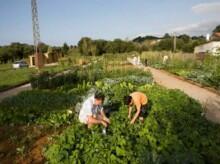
point(92, 112)
point(139, 100)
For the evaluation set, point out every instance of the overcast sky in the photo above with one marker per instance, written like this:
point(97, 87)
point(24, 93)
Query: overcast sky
point(69, 20)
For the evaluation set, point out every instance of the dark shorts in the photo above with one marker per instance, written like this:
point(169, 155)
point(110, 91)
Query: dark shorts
point(143, 110)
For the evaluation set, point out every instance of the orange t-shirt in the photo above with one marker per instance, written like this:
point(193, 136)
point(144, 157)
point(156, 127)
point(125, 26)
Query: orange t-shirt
point(139, 98)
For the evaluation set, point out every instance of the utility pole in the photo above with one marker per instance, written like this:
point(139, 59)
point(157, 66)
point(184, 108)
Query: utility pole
point(36, 34)
point(174, 42)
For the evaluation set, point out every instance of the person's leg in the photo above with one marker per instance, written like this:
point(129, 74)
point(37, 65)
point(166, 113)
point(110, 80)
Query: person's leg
point(103, 117)
point(143, 112)
point(141, 118)
point(91, 121)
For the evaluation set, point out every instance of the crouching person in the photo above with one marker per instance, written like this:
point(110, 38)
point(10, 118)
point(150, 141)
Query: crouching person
point(92, 112)
point(140, 101)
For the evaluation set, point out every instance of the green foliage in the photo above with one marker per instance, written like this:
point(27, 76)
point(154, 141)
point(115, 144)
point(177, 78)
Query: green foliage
point(36, 107)
point(90, 47)
point(184, 42)
point(206, 72)
point(65, 49)
point(142, 39)
point(15, 51)
point(10, 77)
point(91, 74)
point(85, 46)
point(173, 132)
point(165, 44)
point(217, 29)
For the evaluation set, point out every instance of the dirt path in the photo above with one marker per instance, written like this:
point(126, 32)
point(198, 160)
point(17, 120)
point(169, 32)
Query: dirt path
point(14, 91)
point(31, 139)
point(209, 100)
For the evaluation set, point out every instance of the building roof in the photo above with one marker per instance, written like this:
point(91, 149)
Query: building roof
point(207, 47)
point(217, 34)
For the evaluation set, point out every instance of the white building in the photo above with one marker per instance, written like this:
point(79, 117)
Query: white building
point(211, 47)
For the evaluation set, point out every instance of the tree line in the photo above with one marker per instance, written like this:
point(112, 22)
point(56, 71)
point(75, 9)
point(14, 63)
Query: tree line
point(18, 51)
point(184, 43)
point(90, 47)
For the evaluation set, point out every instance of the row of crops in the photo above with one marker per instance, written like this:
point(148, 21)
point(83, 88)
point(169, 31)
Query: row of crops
point(205, 72)
point(173, 132)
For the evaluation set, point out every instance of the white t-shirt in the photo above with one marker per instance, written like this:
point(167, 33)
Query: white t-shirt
point(86, 110)
point(165, 58)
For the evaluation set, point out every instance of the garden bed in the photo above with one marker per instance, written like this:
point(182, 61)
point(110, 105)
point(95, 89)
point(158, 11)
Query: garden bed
point(174, 131)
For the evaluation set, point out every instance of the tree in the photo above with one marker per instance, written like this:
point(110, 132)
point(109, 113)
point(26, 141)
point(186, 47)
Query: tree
point(17, 51)
point(85, 46)
point(166, 36)
point(93, 49)
point(164, 44)
point(4, 57)
point(28, 50)
point(142, 39)
point(217, 29)
point(88, 46)
point(65, 48)
point(43, 47)
point(100, 46)
point(185, 38)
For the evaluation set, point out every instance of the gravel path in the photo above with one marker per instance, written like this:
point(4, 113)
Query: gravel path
point(14, 91)
point(209, 100)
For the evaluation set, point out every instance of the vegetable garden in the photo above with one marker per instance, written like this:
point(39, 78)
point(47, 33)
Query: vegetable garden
point(206, 72)
point(174, 131)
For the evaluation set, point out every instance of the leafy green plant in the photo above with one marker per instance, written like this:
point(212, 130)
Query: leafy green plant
point(29, 106)
point(173, 132)
point(205, 72)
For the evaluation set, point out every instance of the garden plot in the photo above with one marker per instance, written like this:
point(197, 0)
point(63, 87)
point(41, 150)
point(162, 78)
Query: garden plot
point(206, 72)
point(173, 132)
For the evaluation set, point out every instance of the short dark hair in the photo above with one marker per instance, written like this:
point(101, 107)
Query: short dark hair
point(99, 96)
point(127, 100)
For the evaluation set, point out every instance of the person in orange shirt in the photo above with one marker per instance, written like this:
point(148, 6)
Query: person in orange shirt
point(140, 101)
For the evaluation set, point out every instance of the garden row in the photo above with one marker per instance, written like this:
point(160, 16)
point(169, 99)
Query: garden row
point(54, 96)
point(173, 132)
point(205, 72)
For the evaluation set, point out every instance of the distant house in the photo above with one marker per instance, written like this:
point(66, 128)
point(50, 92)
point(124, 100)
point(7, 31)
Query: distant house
point(211, 48)
point(215, 36)
point(48, 58)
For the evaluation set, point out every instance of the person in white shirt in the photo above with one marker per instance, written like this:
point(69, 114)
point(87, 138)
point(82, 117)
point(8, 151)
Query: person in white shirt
point(92, 112)
point(165, 59)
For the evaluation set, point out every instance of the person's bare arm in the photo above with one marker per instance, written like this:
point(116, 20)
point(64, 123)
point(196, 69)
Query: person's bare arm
point(129, 112)
point(91, 121)
point(138, 106)
point(104, 117)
